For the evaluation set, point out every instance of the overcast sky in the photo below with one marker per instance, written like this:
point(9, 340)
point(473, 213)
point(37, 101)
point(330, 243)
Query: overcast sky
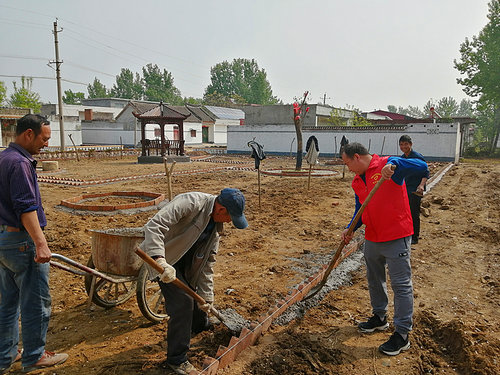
point(362, 53)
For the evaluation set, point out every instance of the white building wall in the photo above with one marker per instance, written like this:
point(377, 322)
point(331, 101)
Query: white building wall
point(106, 133)
point(72, 118)
point(220, 130)
point(220, 133)
point(109, 133)
point(434, 141)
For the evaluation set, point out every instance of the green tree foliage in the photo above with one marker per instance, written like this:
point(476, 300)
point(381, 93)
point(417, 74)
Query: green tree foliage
point(71, 97)
point(24, 97)
point(3, 92)
point(191, 100)
point(241, 77)
point(479, 66)
point(159, 85)
point(221, 100)
point(336, 118)
point(446, 107)
point(97, 90)
point(465, 108)
point(342, 117)
point(127, 86)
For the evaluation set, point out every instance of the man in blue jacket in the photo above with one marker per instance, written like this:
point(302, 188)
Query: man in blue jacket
point(415, 184)
point(388, 233)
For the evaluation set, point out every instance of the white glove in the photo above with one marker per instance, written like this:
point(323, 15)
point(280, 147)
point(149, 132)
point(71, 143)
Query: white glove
point(205, 307)
point(168, 274)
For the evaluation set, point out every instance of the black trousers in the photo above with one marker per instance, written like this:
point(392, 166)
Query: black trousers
point(185, 318)
point(415, 213)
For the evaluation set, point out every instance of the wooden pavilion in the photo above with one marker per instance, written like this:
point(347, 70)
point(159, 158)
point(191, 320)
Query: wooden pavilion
point(161, 115)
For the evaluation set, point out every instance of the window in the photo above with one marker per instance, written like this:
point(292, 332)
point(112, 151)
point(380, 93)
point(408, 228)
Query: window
point(193, 132)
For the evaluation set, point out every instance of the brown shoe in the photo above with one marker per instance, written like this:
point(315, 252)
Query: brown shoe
point(184, 368)
point(19, 355)
point(48, 359)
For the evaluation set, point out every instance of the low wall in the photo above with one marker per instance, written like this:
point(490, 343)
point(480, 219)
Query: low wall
point(437, 142)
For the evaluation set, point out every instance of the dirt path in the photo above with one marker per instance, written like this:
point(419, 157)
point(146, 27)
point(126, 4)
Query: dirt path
point(456, 276)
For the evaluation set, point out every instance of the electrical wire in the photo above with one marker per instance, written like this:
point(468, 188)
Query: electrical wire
point(39, 77)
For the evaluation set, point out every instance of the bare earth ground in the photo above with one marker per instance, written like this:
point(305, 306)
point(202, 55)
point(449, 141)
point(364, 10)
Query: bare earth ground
point(456, 276)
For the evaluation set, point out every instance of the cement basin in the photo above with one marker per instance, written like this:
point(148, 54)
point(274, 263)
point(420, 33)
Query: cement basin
point(113, 250)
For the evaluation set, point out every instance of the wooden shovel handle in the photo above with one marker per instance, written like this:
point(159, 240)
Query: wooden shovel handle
point(342, 244)
point(146, 258)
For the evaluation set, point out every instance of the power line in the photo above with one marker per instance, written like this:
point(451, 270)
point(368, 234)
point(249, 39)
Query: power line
point(127, 53)
point(89, 69)
point(107, 35)
point(39, 77)
point(24, 23)
point(24, 57)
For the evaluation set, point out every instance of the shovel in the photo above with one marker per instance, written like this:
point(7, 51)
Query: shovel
point(342, 244)
point(231, 319)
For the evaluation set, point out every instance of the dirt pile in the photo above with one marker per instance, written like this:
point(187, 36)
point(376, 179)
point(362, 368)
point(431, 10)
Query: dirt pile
point(456, 269)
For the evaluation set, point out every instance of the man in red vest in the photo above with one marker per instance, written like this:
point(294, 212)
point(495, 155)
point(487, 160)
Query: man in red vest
point(388, 232)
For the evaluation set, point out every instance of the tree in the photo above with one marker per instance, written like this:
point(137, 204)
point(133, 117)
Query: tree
point(241, 77)
point(24, 97)
point(159, 86)
point(193, 101)
point(3, 92)
point(127, 86)
point(465, 108)
point(220, 100)
point(447, 107)
point(480, 66)
point(299, 112)
point(97, 90)
point(336, 118)
point(71, 97)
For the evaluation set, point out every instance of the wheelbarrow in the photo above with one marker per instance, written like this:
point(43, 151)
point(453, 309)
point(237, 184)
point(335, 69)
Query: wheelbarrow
point(114, 272)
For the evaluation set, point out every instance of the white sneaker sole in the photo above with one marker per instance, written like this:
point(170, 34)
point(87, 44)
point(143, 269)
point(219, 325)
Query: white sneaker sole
point(406, 347)
point(380, 328)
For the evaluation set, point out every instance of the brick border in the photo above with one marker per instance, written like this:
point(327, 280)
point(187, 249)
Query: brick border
point(73, 202)
point(303, 173)
point(227, 354)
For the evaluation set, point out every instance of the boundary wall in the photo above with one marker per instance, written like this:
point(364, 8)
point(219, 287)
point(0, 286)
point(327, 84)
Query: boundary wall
point(436, 141)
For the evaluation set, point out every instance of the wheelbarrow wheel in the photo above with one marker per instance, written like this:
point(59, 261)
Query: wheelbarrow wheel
point(106, 293)
point(150, 298)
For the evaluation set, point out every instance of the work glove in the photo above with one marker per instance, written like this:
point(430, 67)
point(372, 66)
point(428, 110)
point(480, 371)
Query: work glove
point(205, 306)
point(168, 274)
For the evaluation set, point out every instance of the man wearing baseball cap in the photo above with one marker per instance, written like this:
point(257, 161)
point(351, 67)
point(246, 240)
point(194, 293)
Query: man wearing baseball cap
point(183, 237)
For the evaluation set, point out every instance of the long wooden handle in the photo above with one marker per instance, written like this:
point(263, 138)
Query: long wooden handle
point(348, 233)
point(367, 200)
point(146, 258)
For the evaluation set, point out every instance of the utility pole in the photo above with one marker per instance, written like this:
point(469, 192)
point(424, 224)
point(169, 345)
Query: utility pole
point(324, 99)
point(58, 79)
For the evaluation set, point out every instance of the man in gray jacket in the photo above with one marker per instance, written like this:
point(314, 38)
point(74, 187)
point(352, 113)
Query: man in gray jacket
point(183, 238)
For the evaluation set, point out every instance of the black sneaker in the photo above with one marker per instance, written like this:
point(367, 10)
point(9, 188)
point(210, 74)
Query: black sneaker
point(394, 345)
point(374, 323)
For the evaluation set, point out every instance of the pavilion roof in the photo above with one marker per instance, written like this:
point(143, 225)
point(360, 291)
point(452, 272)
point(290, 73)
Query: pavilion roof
point(157, 113)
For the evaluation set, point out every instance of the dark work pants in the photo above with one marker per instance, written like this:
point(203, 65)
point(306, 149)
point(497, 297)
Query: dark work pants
point(185, 317)
point(415, 213)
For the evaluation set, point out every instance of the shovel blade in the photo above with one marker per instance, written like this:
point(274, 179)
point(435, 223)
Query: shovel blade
point(232, 320)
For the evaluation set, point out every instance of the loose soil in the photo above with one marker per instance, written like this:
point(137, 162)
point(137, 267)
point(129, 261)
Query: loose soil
point(456, 269)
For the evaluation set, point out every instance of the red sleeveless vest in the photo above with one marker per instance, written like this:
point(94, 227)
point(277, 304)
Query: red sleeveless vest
point(387, 217)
